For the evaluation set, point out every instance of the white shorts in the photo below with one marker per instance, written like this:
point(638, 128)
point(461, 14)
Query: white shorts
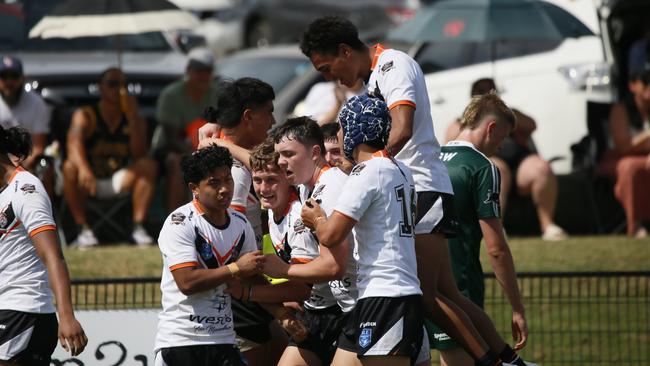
point(111, 187)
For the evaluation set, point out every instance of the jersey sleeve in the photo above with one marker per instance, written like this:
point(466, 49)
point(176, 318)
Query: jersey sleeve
point(176, 242)
point(396, 80)
point(33, 208)
point(242, 180)
point(358, 193)
point(488, 183)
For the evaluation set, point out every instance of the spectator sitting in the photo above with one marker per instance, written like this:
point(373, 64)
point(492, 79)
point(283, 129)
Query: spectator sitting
point(107, 155)
point(179, 112)
point(630, 128)
point(26, 109)
point(521, 167)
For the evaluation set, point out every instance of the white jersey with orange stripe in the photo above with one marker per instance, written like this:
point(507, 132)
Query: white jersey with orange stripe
point(295, 243)
point(25, 210)
point(188, 239)
point(245, 200)
point(327, 189)
point(398, 80)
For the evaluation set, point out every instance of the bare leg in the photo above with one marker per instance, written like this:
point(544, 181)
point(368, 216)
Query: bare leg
point(345, 358)
point(535, 177)
point(385, 361)
point(455, 357)
point(269, 353)
point(141, 179)
point(176, 189)
point(294, 356)
point(506, 182)
point(439, 309)
point(74, 195)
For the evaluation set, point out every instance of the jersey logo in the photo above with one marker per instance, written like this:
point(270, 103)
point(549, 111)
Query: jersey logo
point(357, 169)
point(447, 156)
point(283, 250)
point(387, 67)
point(28, 188)
point(317, 192)
point(492, 197)
point(299, 226)
point(365, 337)
point(177, 218)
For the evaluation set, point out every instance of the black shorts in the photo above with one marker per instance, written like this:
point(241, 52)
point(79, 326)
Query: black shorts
point(372, 328)
point(29, 338)
point(324, 327)
point(251, 321)
point(200, 355)
point(436, 214)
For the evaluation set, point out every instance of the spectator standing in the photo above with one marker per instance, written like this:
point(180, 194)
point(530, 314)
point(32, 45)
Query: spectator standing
point(107, 155)
point(26, 109)
point(523, 171)
point(179, 112)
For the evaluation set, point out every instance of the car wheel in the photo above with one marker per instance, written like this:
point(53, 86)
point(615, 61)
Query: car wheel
point(259, 34)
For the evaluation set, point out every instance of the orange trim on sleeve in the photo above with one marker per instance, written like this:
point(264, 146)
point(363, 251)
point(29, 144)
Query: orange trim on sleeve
point(41, 229)
point(239, 208)
point(183, 265)
point(401, 102)
point(300, 260)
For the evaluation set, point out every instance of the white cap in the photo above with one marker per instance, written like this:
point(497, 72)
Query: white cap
point(200, 58)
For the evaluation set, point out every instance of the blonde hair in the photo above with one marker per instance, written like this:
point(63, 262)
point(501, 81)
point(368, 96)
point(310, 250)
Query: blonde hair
point(483, 105)
point(263, 155)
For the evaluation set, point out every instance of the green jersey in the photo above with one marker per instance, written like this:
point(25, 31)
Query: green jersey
point(476, 182)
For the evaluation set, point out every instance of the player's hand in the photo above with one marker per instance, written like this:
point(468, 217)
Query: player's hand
point(311, 211)
point(251, 263)
point(519, 330)
point(208, 141)
point(274, 266)
point(235, 289)
point(209, 130)
point(87, 181)
point(71, 335)
point(292, 325)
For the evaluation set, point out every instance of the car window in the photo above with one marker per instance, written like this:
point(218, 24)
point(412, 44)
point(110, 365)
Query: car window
point(276, 71)
point(18, 18)
point(568, 25)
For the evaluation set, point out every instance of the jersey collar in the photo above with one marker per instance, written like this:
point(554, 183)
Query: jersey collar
point(325, 168)
point(461, 143)
point(379, 49)
point(382, 154)
point(15, 173)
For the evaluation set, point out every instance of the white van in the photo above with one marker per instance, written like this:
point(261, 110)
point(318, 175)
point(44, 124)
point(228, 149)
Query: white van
point(560, 84)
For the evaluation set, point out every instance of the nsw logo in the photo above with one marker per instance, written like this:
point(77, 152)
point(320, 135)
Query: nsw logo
point(365, 338)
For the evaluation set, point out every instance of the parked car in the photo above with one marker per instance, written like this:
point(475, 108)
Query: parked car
point(562, 84)
point(284, 67)
point(229, 25)
point(66, 71)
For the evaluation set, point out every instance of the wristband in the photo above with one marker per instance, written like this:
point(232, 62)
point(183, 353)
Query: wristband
point(233, 268)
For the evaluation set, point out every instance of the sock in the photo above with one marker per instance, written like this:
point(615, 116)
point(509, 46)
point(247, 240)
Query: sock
point(82, 227)
point(489, 359)
point(137, 225)
point(510, 356)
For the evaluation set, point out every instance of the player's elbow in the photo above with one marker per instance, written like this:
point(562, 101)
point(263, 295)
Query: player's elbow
point(187, 288)
point(498, 250)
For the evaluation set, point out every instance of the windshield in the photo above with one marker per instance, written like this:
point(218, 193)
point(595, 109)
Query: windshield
point(276, 71)
point(18, 17)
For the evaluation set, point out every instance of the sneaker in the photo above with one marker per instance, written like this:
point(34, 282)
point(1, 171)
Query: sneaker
point(641, 233)
point(141, 237)
point(85, 240)
point(554, 233)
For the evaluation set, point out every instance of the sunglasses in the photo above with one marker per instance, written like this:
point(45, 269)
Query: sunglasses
point(10, 75)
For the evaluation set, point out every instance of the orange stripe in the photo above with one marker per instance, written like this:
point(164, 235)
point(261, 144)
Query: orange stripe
point(322, 170)
point(379, 49)
point(16, 171)
point(401, 102)
point(239, 208)
point(12, 228)
point(381, 154)
point(300, 260)
point(41, 229)
point(183, 265)
point(197, 206)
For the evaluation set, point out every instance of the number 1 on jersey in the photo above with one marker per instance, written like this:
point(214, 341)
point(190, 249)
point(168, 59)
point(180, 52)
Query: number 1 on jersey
point(408, 210)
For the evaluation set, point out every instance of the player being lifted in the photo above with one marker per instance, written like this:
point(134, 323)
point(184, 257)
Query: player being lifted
point(204, 245)
point(335, 50)
point(31, 262)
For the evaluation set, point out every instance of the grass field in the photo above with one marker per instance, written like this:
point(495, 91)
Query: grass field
point(602, 253)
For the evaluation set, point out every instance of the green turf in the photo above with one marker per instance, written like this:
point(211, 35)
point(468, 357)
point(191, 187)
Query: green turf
point(603, 253)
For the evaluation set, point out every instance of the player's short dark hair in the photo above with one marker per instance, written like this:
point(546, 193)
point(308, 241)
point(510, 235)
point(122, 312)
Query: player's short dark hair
point(109, 70)
point(201, 163)
point(263, 155)
point(15, 141)
point(234, 97)
point(324, 35)
point(302, 129)
point(483, 86)
point(330, 131)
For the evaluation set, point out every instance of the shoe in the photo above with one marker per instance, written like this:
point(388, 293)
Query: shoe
point(641, 233)
point(554, 233)
point(85, 240)
point(141, 237)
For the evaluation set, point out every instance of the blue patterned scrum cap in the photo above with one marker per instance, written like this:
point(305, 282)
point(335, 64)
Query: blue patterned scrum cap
point(363, 119)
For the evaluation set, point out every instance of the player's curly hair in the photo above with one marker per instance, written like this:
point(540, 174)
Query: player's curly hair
point(201, 163)
point(483, 105)
point(324, 35)
point(302, 129)
point(15, 141)
point(263, 155)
